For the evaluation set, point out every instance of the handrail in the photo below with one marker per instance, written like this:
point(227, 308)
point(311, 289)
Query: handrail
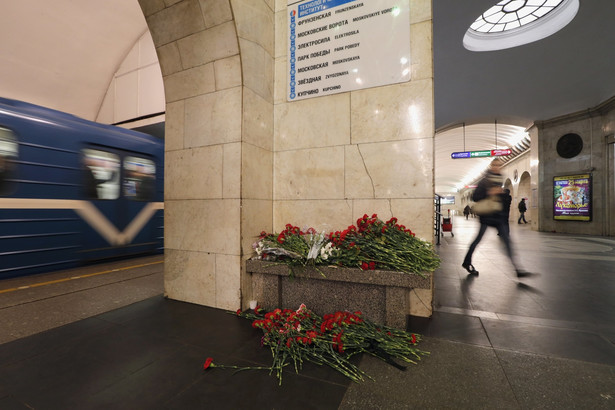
point(437, 217)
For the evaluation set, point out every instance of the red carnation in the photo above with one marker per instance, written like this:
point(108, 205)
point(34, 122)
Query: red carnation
point(208, 363)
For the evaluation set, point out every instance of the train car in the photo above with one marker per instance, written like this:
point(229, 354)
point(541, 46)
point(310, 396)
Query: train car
point(74, 191)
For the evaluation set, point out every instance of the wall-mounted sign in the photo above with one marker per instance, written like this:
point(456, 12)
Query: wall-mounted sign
point(447, 200)
point(343, 45)
point(481, 154)
point(572, 199)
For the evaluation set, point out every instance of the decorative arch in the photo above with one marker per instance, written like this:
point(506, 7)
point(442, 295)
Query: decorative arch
point(216, 59)
point(524, 191)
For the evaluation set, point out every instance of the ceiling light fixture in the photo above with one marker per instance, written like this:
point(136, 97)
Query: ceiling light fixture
point(511, 23)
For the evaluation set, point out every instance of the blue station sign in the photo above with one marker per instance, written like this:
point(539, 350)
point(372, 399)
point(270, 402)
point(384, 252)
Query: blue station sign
point(481, 154)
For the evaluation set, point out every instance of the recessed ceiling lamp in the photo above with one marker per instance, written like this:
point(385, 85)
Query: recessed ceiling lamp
point(511, 23)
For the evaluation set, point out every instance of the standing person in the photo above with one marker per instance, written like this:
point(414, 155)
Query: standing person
point(506, 201)
point(522, 210)
point(466, 211)
point(491, 185)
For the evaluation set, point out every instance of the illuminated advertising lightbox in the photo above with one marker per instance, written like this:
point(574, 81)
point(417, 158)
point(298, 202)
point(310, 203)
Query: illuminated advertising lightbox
point(447, 200)
point(572, 198)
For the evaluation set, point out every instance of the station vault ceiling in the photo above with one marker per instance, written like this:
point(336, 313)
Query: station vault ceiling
point(63, 54)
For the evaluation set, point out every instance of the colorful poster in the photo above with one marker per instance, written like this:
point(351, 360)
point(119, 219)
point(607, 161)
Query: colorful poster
point(336, 46)
point(572, 200)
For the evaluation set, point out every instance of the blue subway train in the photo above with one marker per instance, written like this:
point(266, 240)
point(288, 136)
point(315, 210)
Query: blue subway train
point(74, 191)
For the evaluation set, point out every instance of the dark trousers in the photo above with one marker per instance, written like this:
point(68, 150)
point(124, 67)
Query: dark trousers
point(522, 217)
point(503, 234)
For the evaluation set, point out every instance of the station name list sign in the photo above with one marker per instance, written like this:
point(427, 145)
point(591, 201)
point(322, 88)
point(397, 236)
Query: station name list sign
point(343, 45)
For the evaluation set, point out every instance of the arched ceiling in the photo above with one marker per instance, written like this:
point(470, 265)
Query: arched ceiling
point(63, 54)
point(563, 73)
point(567, 72)
point(453, 174)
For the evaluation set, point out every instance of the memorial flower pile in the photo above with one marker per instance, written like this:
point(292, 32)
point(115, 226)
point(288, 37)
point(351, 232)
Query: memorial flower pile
point(296, 337)
point(371, 244)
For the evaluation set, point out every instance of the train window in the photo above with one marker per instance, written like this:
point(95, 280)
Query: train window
point(8, 157)
point(139, 179)
point(101, 174)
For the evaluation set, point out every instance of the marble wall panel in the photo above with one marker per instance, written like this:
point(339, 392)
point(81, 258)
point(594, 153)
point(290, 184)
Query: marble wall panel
point(257, 66)
point(400, 169)
point(257, 120)
point(256, 216)
point(380, 207)
point(227, 283)
point(396, 112)
point(279, 95)
point(213, 118)
point(309, 174)
point(417, 215)
point(270, 4)
point(421, 53)
point(421, 301)
point(257, 172)
point(169, 59)
point(322, 215)
point(150, 7)
point(203, 225)
point(281, 5)
point(281, 33)
point(358, 182)
point(314, 122)
point(190, 83)
point(208, 45)
point(255, 22)
point(227, 72)
point(178, 21)
point(216, 12)
point(231, 170)
point(174, 126)
point(188, 276)
point(195, 173)
point(420, 10)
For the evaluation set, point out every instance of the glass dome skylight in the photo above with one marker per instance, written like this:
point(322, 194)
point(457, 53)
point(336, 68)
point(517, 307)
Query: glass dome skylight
point(512, 23)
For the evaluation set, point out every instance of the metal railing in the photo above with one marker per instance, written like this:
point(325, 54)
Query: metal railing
point(437, 217)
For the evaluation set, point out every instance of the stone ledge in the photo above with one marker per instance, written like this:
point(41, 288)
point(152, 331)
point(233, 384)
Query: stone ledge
point(355, 275)
point(382, 296)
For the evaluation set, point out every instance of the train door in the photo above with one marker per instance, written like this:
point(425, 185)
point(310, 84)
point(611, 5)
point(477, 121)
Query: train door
point(139, 193)
point(117, 186)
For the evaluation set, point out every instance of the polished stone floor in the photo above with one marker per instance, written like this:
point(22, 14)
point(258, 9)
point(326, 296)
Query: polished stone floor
point(104, 337)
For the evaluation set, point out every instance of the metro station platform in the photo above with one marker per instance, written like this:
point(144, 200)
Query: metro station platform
point(104, 337)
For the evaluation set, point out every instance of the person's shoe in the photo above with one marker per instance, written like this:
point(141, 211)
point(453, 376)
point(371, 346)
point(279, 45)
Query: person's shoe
point(469, 268)
point(522, 273)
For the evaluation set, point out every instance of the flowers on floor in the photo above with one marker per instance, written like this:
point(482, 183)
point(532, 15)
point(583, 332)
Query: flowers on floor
point(371, 244)
point(295, 337)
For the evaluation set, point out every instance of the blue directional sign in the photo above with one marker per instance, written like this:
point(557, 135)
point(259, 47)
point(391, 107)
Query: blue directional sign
point(456, 155)
point(481, 154)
